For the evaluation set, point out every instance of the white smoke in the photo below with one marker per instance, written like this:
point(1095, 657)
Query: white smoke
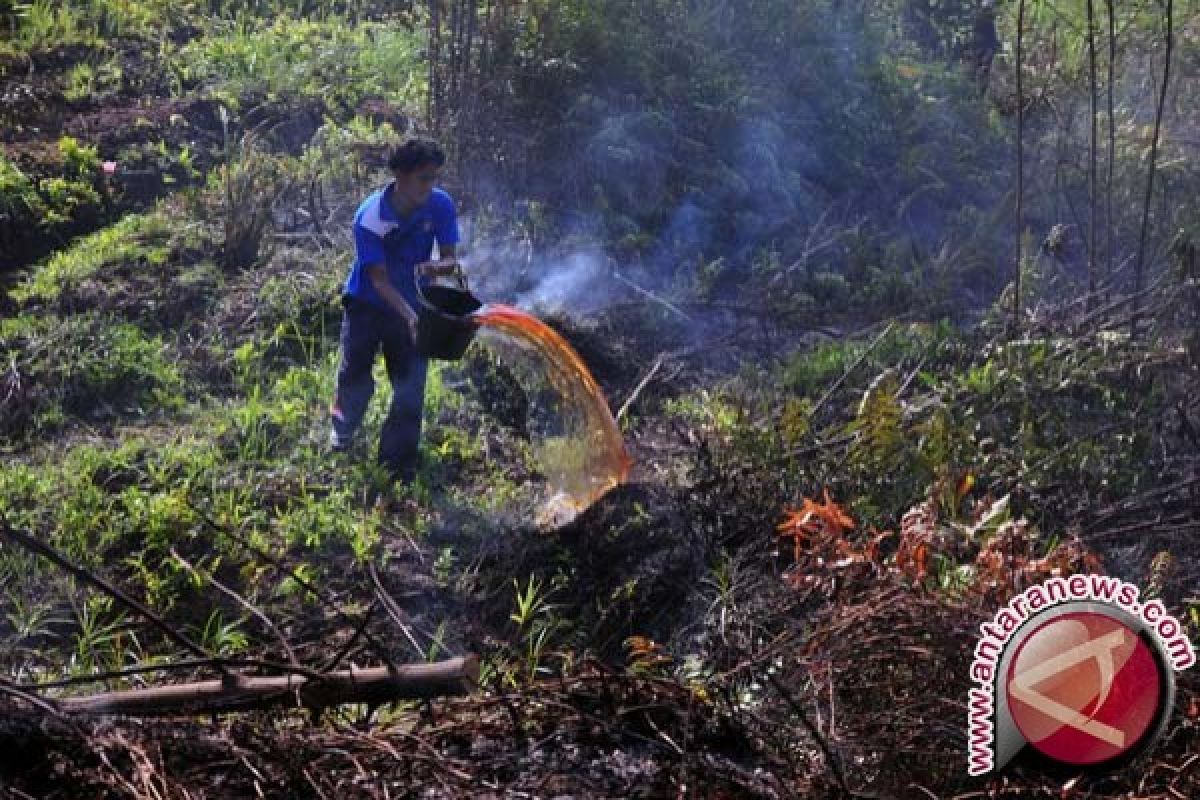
point(576, 283)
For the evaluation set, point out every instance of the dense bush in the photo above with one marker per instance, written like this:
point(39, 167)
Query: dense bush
point(688, 135)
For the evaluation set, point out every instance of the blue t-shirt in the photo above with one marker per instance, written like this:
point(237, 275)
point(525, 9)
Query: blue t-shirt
point(381, 236)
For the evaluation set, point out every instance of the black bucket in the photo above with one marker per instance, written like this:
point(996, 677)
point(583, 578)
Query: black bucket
point(444, 326)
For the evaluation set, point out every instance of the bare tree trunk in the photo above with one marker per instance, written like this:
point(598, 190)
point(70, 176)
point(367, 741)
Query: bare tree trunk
point(1016, 299)
point(1060, 145)
point(1109, 220)
point(1139, 265)
point(487, 34)
point(1092, 146)
point(454, 52)
point(433, 110)
point(472, 15)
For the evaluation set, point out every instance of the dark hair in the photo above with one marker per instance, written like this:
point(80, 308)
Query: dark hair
point(414, 153)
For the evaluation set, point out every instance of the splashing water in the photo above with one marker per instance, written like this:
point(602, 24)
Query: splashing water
point(576, 440)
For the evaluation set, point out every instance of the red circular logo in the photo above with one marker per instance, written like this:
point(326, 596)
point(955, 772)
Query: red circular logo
point(1084, 688)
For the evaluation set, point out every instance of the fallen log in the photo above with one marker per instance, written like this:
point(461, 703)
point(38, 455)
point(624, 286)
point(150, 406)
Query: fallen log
point(372, 686)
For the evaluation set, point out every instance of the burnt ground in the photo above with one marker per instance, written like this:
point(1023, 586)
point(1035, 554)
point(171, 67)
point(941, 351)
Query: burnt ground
point(835, 671)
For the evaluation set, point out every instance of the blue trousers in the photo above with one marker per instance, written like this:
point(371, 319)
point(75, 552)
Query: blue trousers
point(365, 329)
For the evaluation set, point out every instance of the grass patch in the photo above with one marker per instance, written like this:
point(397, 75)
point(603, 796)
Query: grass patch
point(136, 237)
point(86, 365)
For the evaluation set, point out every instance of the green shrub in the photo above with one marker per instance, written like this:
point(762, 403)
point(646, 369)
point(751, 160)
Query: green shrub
point(20, 201)
point(85, 81)
point(329, 59)
point(44, 24)
point(52, 202)
point(48, 24)
point(248, 182)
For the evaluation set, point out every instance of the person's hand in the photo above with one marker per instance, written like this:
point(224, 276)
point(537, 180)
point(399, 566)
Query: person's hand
point(434, 269)
point(409, 317)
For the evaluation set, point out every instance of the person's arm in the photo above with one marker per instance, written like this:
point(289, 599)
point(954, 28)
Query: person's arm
point(447, 264)
point(379, 279)
point(445, 230)
point(370, 251)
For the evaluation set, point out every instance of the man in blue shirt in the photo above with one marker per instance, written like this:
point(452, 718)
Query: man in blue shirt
point(394, 232)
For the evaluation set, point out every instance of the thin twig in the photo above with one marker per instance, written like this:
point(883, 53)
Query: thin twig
point(830, 759)
point(7, 687)
point(358, 632)
point(303, 583)
point(665, 303)
point(642, 384)
point(393, 611)
point(861, 358)
point(244, 603)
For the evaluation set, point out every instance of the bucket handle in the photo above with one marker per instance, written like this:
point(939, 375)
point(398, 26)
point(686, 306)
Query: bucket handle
point(458, 275)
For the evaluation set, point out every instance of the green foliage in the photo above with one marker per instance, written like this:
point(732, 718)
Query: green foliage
point(45, 23)
point(878, 441)
point(84, 81)
point(135, 237)
point(537, 624)
point(698, 135)
point(328, 59)
point(53, 201)
point(925, 405)
point(102, 640)
point(306, 292)
point(65, 198)
point(19, 198)
point(808, 371)
point(79, 160)
point(83, 364)
point(247, 183)
point(48, 24)
point(311, 521)
point(223, 638)
point(711, 411)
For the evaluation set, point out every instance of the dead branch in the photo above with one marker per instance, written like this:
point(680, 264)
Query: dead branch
point(173, 666)
point(1168, 13)
point(6, 687)
point(373, 686)
point(243, 602)
point(392, 609)
point(861, 357)
point(664, 303)
point(642, 384)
